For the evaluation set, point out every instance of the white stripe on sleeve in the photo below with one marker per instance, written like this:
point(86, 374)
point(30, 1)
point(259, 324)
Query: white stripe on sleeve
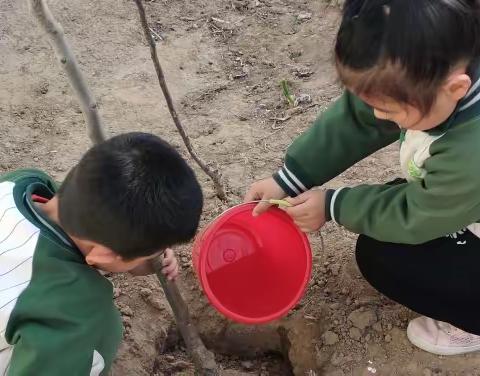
point(295, 179)
point(332, 204)
point(288, 183)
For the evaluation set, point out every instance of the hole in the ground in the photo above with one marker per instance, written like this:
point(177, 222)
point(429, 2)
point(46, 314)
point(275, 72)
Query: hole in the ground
point(264, 364)
point(172, 356)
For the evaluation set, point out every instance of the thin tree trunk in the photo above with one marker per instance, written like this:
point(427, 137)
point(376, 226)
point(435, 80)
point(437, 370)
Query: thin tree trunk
point(63, 51)
point(168, 98)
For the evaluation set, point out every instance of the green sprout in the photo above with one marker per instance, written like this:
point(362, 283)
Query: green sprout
point(286, 92)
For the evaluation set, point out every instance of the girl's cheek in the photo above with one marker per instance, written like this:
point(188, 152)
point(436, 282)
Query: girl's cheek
point(403, 118)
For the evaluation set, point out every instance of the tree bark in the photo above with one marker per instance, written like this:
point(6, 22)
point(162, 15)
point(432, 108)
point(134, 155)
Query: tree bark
point(63, 51)
point(203, 360)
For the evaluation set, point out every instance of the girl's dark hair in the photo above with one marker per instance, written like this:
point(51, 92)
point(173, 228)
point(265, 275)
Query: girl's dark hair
point(405, 49)
point(134, 194)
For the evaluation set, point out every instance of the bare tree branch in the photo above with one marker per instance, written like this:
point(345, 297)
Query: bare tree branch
point(168, 98)
point(203, 359)
point(63, 51)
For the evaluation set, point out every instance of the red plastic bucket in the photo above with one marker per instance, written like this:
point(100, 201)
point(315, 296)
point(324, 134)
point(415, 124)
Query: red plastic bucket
point(253, 270)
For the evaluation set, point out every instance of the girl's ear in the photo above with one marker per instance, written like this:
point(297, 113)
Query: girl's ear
point(457, 86)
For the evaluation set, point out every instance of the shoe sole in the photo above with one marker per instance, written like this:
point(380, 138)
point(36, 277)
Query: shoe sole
point(440, 350)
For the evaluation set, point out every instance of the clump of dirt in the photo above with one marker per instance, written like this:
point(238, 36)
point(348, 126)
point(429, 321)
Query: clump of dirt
point(224, 61)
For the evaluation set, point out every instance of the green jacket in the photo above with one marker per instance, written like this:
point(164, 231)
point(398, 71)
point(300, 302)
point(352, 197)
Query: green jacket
point(442, 168)
point(57, 315)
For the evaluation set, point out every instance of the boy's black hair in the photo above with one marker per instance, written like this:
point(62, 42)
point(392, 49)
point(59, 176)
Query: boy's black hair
point(134, 194)
point(405, 49)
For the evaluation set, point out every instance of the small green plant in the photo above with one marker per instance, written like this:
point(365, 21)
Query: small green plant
point(286, 92)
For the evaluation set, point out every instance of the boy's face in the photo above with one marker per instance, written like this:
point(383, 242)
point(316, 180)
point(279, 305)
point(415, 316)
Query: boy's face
point(120, 265)
point(105, 259)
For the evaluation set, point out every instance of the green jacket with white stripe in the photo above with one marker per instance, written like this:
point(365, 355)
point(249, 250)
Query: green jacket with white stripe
point(57, 315)
point(441, 166)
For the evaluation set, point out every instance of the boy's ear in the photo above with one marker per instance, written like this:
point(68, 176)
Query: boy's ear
point(100, 255)
point(457, 86)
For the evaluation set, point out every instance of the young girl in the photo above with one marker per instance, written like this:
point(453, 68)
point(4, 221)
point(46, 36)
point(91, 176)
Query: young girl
point(411, 72)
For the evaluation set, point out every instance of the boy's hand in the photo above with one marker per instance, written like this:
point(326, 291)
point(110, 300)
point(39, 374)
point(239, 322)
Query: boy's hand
point(308, 211)
point(264, 190)
point(170, 265)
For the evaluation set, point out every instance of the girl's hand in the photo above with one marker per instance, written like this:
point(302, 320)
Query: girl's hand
point(264, 190)
point(308, 210)
point(170, 265)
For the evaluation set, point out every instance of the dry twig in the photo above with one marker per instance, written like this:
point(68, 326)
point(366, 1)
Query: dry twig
point(156, 34)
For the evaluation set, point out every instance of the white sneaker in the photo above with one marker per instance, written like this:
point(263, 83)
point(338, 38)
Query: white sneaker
point(440, 338)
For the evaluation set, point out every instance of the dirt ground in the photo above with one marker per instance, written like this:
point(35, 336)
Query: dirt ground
point(224, 60)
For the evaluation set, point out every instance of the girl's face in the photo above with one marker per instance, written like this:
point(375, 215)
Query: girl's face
point(407, 116)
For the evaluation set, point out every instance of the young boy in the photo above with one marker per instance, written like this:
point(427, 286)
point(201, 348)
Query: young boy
point(411, 69)
point(126, 201)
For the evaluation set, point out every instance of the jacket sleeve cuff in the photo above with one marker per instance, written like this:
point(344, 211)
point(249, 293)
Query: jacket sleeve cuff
point(328, 199)
point(332, 204)
point(289, 182)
